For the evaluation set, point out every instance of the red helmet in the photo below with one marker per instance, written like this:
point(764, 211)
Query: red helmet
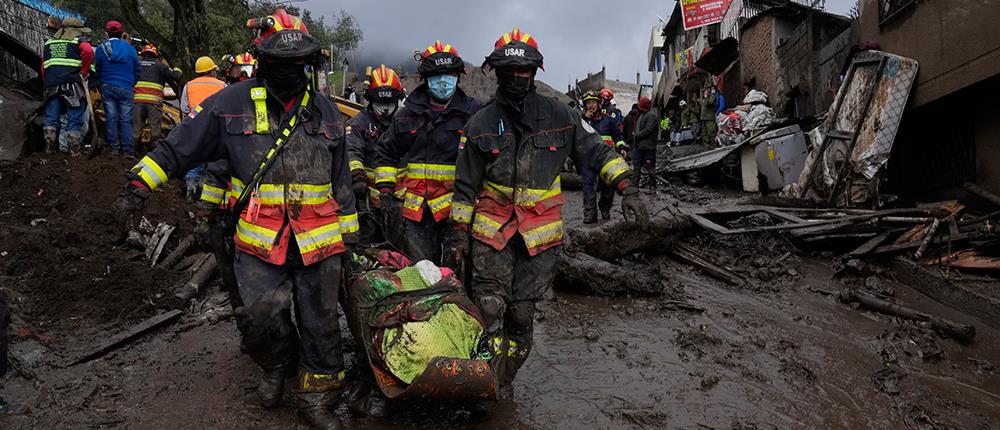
point(607, 94)
point(275, 22)
point(384, 85)
point(440, 58)
point(150, 49)
point(516, 49)
point(245, 58)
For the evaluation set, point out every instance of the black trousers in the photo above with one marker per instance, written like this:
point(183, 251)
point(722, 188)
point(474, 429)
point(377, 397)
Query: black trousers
point(265, 319)
point(506, 284)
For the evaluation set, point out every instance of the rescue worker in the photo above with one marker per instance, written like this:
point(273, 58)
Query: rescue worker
point(66, 62)
point(507, 192)
point(646, 138)
point(241, 68)
point(202, 86)
point(384, 92)
point(608, 106)
point(426, 131)
point(709, 128)
point(118, 70)
point(608, 128)
point(148, 107)
point(215, 224)
point(284, 144)
point(195, 92)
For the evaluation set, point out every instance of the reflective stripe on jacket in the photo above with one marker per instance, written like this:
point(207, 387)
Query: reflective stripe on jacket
point(363, 131)
point(305, 196)
point(495, 205)
point(153, 75)
point(62, 60)
point(429, 140)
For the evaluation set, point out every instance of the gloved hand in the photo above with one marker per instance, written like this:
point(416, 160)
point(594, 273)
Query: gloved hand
point(392, 215)
point(192, 189)
point(633, 207)
point(129, 206)
point(457, 245)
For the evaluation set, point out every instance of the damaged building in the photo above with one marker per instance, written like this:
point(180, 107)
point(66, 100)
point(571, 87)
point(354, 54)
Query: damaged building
point(952, 124)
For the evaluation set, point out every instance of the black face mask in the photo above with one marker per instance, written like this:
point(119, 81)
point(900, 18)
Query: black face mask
point(284, 80)
point(514, 88)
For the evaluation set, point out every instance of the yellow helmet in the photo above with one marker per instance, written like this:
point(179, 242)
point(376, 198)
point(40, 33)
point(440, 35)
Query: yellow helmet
point(204, 64)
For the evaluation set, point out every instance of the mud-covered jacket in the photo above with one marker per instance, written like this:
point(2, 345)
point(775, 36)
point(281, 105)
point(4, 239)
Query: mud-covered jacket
point(429, 139)
point(708, 107)
point(363, 131)
point(307, 191)
point(609, 129)
point(499, 197)
point(153, 74)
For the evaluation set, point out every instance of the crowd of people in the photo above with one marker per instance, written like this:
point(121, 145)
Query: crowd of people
point(469, 186)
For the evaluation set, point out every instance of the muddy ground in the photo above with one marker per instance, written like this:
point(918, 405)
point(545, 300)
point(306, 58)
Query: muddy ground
point(776, 352)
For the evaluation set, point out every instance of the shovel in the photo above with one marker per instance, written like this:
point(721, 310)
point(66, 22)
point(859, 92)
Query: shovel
point(95, 147)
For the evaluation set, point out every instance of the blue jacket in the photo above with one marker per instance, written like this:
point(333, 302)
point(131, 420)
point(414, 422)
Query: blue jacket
point(117, 63)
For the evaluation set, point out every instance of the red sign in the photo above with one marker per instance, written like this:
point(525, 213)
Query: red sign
point(698, 13)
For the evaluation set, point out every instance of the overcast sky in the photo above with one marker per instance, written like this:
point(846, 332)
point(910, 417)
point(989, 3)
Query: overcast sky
point(575, 36)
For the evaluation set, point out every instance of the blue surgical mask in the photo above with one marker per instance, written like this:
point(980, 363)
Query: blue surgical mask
point(442, 86)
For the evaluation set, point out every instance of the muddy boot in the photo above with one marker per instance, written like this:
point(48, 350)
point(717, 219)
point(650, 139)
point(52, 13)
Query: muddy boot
point(366, 399)
point(272, 387)
point(74, 140)
point(605, 205)
point(589, 212)
point(316, 398)
point(51, 137)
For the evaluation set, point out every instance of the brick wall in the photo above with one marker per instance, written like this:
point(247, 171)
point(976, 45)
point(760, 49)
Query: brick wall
point(27, 26)
point(757, 55)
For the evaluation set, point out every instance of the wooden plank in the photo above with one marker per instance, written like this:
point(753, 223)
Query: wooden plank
point(982, 192)
point(711, 268)
point(869, 245)
point(131, 334)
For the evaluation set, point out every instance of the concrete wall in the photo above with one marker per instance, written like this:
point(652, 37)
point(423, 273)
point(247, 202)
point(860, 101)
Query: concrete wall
point(956, 42)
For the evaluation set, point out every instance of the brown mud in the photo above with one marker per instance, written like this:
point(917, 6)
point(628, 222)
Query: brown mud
point(775, 352)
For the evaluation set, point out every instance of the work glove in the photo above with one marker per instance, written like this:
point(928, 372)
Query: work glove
point(359, 184)
point(457, 246)
point(633, 207)
point(129, 206)
point(392, 215)
point(192, 190)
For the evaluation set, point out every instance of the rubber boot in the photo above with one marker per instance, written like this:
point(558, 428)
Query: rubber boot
point(51, 136)
point(272, 386)
point(74, 140)
point(366, 399)
point(589, 212)
point(317, 397)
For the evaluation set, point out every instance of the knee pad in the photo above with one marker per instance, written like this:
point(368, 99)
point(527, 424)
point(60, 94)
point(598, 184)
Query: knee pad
point(492, 309)
point(521, 318)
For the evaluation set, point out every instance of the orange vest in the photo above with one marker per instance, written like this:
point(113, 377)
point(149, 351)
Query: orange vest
point(199, 89)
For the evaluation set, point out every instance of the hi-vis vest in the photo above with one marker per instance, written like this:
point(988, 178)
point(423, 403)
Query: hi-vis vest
point(62, 62)
point(295, 200)
point(200, 88)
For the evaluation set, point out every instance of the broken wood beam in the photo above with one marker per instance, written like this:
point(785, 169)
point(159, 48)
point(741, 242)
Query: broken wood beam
point(124, 337)
point(198, 279)
point(869, 246)
point(960, 332)
point(982, 192)
point(617, 239)
point(927, 239)
point(178, 252)
point(690, 256)
point(579, 272)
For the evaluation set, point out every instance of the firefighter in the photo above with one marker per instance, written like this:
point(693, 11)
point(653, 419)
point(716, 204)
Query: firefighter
point(67, 60)
point(241, 67)
point(608, 106)
point(426, 131)
point(507, 193)
point(153, 75)
point(384, 92)
point(287, 158)
point(611, 134)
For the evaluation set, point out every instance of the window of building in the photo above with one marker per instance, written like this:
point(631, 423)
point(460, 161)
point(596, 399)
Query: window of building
point(889, 9)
